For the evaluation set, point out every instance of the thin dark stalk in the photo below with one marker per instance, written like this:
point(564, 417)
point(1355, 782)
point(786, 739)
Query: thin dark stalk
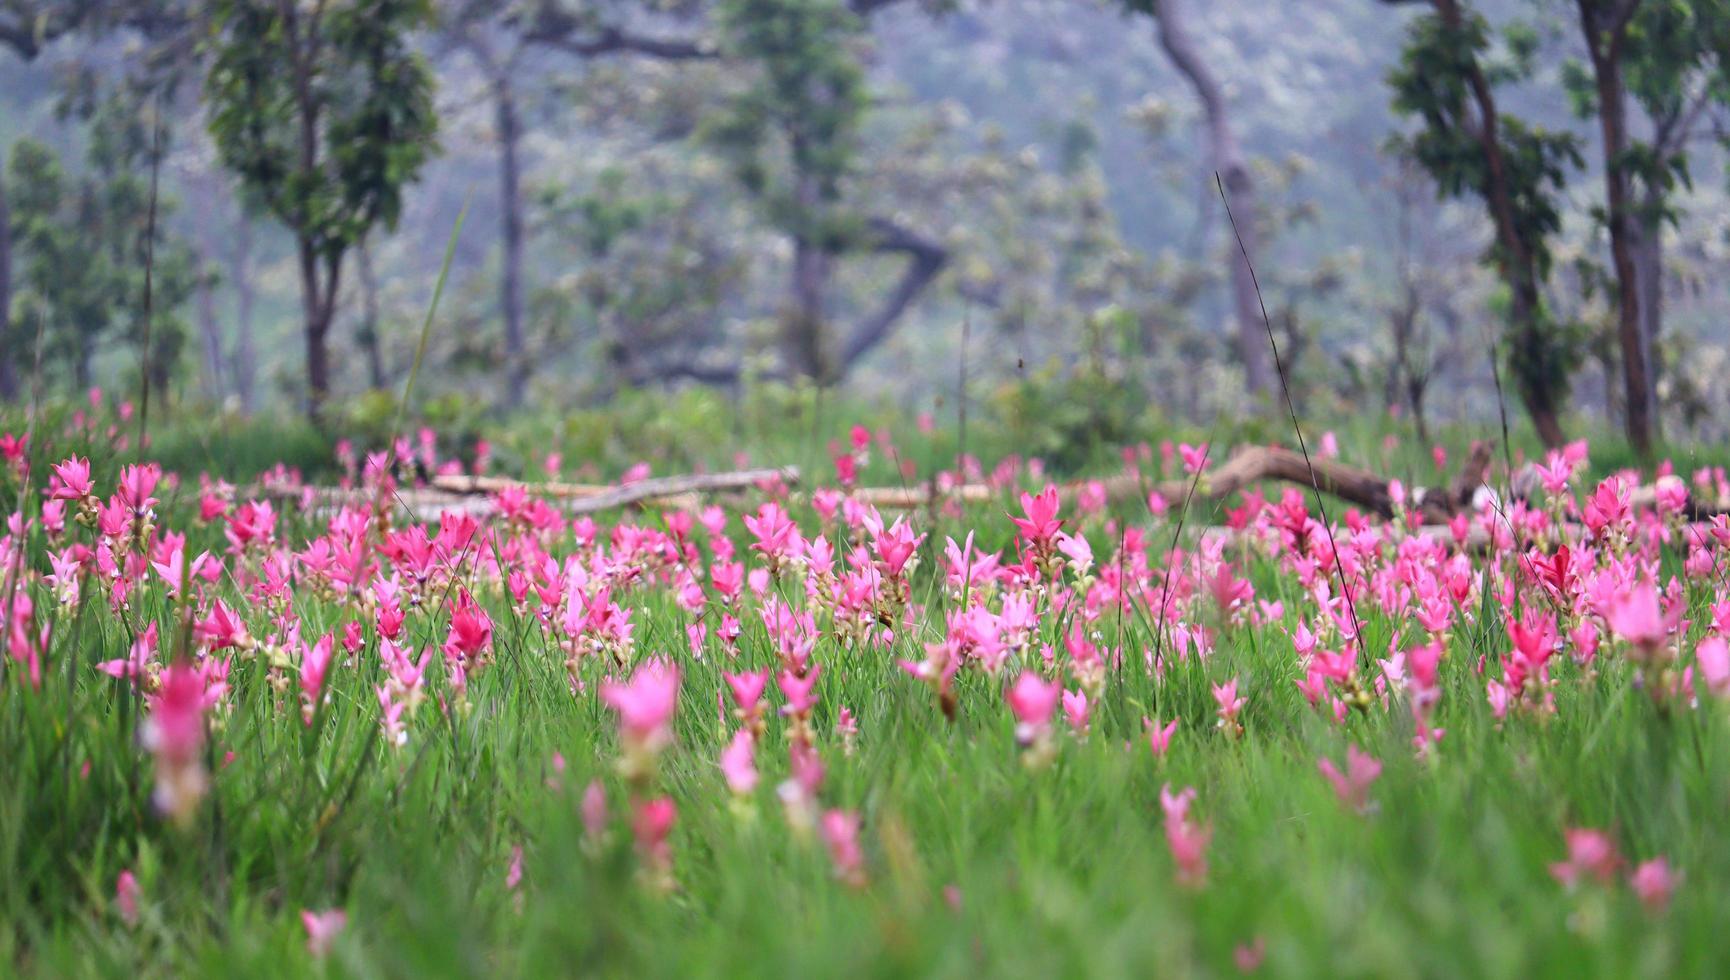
point(1291, 407)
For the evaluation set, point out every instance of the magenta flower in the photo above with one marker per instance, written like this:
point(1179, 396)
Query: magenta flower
point(1159, 739)
point(1077, 710)
point(646, 704)
point(174, 733)
point(1033, 700)
point(70, 480)
point(1591, 854)
point(1040, 525)
point(1353, 785)
point(126, 893)
point(1654, 882)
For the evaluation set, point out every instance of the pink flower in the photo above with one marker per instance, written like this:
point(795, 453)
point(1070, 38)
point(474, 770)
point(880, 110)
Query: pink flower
point(1194, 457)
point(126, 894)
point(322, 928)
point(1352, 786)
point(1654, 882)
point(174, 733)
point(738, 766)
point(594, 810)
point(1225, 696)
point(1159, 739)
point(1591, 853)
point(1713, 658)
point(1248, 956)
point(1636, 617)
point(1040, 525)
point(1076, 708)
point(70, 480)
point(895, 546)
point(1033, 700)
point(840, 830)
point(747, 690)
point(646, 705)
point(1188, 842)
point(652, 825)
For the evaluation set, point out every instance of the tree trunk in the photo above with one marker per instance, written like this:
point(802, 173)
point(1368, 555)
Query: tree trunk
point(1604, 44)
point(1228, 162)
point(210, 328)
point(1649, 273)
point(244, 367)
point(802, 325)
point(317, 328)
point(511, 218)
point(8, 348)
point(370, 340)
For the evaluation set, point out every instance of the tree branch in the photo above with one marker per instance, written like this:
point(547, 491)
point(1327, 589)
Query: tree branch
point(926, 259)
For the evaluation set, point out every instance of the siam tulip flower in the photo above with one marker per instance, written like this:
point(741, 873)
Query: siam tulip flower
point(1712, 657)
point(594, 811)
point(1040, 525)
point(222, 629)
point(1159, 739)
point(70, 480)
point(1188, 842)
point(799, 792)
point(1353, 785)
point(840, 829)
point(1248, 957)
point(1194, 457)
point(174, 733)
point(847, 727)
point(895, 547)
point(322, 928)
point(1225, 696)
point(1077, 710)
point(652, 827)
point(738, 765)
point(514, 871)
point(747, 691)
point(1637, 618)
point(1591, 854)
point(136, 665)
point(314, 664)
point(775, 532)
point(1654, 882)
point(646, 706)
point(1033, 700)
point(126, 894)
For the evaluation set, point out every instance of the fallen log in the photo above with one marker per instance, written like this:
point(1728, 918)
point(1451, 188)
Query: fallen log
point(1370, 491)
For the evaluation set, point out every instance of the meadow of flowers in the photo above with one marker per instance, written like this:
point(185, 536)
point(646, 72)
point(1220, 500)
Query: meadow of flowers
point(249, 734)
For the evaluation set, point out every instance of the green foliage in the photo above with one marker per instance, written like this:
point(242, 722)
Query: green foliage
point(325, 114)
point(792, 135)
point(84, 242)
point(1437, 81)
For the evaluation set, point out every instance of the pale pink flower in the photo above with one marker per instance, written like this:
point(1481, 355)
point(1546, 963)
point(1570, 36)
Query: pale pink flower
point(738, 765)
point(322, 928)
point(840, 830)
point(1159, 739)
point(1077, 710)
point(1353, 785)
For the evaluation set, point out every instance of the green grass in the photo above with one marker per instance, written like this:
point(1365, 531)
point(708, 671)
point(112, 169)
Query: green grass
point(1060, 871)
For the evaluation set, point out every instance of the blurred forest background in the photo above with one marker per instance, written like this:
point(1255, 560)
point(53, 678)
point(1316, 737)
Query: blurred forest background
point(902, 200)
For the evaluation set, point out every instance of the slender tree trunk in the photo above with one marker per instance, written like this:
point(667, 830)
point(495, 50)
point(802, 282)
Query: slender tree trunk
point(1604, 43)
point(511, 219)
point(803, 324)
point(210, 328)
point(317, 329)
point(8, 347)
point(1649, 274)
point(370, 340)
point(244, 367)
point(1228, 162)
point(1515, 263)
